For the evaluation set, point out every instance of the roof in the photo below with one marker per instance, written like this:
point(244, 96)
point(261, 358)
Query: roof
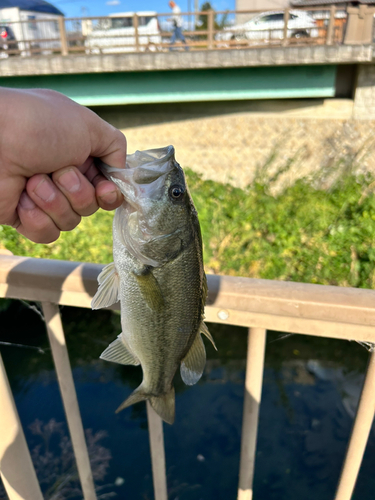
point(32, 5)
point(302, 3)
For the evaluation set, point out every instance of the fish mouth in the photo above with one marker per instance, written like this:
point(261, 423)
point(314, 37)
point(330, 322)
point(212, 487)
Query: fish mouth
point(142, 171)
point(157, 157)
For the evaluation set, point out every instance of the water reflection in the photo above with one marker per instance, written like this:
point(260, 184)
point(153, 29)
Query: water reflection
point(310, 391)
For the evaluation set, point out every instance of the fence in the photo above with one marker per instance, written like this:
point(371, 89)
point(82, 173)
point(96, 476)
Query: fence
point(344, 313)
point(209, 30)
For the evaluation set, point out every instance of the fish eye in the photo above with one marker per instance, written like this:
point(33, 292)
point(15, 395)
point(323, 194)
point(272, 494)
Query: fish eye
point(176, 192)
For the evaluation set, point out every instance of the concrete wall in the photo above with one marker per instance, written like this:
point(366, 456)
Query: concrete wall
point(229, 141)
point(261, 5)
point(192, 59)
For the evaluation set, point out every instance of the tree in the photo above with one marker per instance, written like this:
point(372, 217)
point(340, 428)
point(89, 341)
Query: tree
point(202, 23)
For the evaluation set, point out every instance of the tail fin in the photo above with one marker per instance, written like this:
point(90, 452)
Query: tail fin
point(135, 397)
point(164, 405)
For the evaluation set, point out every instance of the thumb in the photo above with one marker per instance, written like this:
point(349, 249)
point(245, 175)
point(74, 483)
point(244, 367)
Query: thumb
point(107, 142)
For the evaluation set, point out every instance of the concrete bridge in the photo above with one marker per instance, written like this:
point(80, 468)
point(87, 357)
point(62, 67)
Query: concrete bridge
point(263, 73)
point(330, 66)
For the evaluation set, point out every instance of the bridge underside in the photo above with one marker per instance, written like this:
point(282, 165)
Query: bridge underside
point(139, 87)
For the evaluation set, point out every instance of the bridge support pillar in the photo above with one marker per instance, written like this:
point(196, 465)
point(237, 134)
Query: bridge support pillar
point(364, 96)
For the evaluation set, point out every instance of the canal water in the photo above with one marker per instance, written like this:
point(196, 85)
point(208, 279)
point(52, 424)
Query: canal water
point(310, 392)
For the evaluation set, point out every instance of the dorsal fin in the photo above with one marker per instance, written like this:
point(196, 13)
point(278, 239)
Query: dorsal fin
point(203, 329)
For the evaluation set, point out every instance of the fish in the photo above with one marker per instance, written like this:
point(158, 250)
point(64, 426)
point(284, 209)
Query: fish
point(157, 274)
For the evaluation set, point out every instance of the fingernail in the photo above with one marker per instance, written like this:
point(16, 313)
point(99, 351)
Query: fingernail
point(110, 197)
point(69, 180)
point(45, 191)
point(26, 202)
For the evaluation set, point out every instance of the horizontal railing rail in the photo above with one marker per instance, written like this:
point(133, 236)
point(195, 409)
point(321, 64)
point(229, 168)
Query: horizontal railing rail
point(207, 30)
point(326, 311)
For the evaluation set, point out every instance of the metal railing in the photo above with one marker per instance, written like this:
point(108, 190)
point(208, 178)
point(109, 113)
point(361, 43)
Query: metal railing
point(206, 30)
point(326, 311)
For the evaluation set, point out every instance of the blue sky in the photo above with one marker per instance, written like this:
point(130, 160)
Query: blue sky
point(78, 8)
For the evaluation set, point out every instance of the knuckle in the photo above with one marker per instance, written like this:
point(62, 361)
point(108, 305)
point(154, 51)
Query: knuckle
point(70, 224)
point(85, 204)
point(33, 182)
point(36, 220)
point(122, 139)
point(42, 191)
point(89, 210)
point(47, 238)
point(39, 230)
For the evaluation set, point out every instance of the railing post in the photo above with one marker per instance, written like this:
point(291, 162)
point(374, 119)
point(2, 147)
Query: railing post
point(210, 29)
point(331, 25)
point(253, 391)
point(359, 436)
point(136, 34)
point(17, 470)
point(65, 378)
point(155, 430)
point(63, 40)
point(286, 20)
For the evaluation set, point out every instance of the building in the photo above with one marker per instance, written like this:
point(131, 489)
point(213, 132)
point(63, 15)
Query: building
point(23, 17)
point(258, 5)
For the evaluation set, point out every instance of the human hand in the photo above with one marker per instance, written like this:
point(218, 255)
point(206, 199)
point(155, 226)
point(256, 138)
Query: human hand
point(48, 179)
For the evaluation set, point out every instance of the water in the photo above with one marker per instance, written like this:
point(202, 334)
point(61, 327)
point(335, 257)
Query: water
point(310, 391)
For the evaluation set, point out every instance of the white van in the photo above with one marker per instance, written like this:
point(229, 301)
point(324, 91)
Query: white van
point(117, 33)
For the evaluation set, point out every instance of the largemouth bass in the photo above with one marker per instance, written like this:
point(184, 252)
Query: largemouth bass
point(158, 276)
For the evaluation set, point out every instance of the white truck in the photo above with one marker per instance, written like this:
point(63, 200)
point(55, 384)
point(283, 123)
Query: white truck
point(117, 33)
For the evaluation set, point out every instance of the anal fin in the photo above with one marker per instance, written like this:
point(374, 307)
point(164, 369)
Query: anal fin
point(117, 352)
point(192, 365)
point(109, 287)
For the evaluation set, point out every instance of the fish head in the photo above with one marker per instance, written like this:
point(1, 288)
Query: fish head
point(155, 220)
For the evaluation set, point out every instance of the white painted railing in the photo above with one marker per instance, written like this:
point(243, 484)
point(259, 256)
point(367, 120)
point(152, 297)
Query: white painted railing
point(325, 311)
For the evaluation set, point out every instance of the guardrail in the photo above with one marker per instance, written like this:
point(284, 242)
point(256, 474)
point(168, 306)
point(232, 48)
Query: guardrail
point(206, 30)
point(326, 311)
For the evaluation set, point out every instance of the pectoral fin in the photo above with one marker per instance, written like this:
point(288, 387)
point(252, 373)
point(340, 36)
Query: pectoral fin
point(117, 352)
point(109, 286)
point(203, 329)
point(150, 290)
point(192, 365)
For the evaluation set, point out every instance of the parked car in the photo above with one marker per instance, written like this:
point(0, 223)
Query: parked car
point(117, 33)
point(270, 26)
point(7, 40)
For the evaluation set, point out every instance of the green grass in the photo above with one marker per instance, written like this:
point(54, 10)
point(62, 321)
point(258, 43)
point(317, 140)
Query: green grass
point(303, 234)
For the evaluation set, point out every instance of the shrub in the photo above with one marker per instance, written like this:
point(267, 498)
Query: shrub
point(304, 234)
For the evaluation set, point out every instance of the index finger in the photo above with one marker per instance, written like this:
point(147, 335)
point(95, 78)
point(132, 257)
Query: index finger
point(107, 193)
point(107, 142)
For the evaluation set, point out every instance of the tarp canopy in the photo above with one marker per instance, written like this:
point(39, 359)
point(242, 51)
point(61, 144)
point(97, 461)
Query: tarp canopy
point(31, 5)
